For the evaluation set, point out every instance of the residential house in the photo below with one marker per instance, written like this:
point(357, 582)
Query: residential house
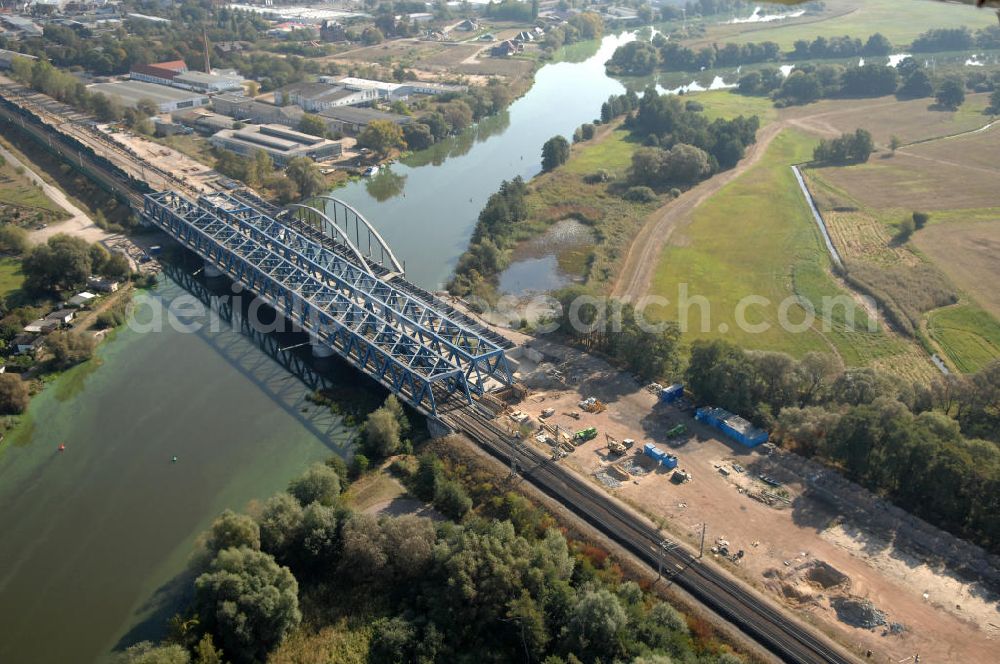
point(468, 25)
point(81, 300)
point(62, 316)
point(506, 48)
point(524, 37)
point(332, 31)
point(42, 326)
point(26, 344)
point(102, 285)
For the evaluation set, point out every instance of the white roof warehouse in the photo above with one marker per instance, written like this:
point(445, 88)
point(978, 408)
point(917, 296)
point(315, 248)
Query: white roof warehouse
point(129, 93)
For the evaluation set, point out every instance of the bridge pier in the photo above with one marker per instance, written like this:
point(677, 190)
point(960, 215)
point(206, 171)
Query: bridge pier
point(438, 429)
point(210, 270)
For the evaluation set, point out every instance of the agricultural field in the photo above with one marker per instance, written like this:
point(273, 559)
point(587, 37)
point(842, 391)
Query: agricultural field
point(911, 121)
point(969, 253)
point(757, 238)
point(925, 181)
point(956, 255)
point(969, 336)
point(899, 21)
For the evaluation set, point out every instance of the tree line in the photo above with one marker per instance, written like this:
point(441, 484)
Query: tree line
point(639, 58)
point(914, 443)
point(489, 249)
point(500, 583)
point(908, 80)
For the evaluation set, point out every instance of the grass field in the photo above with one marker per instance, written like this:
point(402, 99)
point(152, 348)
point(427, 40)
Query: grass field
point(922, 183)
point(11, 277)
point(613, 153)
point(727, 105)
point(17, 189)
point(967, 334)
point(753, 238)
point(899, 21)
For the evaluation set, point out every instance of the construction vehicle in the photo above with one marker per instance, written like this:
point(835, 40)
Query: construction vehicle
point(548, 412)
point(614, 446)
point(628, 443)
point(583, 435)
point(678, 430)
point(592, 405)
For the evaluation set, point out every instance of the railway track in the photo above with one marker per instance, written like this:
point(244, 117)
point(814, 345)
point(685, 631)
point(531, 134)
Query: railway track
point(784, 637)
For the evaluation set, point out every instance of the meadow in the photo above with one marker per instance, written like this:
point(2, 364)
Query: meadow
point(899, 21)
point(11, 276)
point(968, 335)
point(757, 238)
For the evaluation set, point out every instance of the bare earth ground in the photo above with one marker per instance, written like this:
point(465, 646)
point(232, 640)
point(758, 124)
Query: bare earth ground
point(957, 621)
point(969, 253)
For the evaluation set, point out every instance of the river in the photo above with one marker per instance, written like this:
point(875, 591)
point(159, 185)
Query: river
point(430, 215)
point(93, 539)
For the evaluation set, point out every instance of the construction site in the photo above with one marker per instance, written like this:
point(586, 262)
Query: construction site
point(793, 529)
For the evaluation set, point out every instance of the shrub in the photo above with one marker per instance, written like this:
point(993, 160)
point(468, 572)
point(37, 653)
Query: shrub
point(640, 194)
point(920, 219)
point(13, 394)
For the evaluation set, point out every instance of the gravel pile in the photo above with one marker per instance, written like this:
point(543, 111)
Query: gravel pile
point(858, 612)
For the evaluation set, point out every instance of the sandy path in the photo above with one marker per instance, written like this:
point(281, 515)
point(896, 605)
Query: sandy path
point(640, 263)
point(79, 224)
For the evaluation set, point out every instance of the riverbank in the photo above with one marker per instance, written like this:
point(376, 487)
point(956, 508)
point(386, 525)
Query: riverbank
point(240, 425)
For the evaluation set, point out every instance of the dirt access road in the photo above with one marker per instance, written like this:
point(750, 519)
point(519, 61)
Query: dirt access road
point(78, 224)
point(642, 259)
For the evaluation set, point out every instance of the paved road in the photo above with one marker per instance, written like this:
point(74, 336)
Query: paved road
point(79, 224)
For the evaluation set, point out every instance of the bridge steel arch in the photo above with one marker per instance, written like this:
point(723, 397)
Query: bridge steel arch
point(359, 221)
point(362, 261)
point(397, 339)
point(479, 357)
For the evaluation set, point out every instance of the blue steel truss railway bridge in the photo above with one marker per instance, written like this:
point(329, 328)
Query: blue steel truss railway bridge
point(315, 263)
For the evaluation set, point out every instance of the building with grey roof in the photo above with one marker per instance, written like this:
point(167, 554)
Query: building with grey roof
point(351, 120)
point(316, 97)
point(279, 142)
point(167, 99)
point(244, 108)
point(202, 82)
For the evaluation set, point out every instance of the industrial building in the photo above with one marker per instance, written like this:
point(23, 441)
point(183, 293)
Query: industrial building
point(167, 99)
point(246, 109)
point(209, 83)
point(352, 121)
point(280, 143)
point(162, 73)
point(316, 97)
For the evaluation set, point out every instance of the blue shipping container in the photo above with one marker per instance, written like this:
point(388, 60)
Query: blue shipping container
point(672, 393)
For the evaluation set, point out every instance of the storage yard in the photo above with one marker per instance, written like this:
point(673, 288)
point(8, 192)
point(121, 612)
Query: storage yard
point(769, 517)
